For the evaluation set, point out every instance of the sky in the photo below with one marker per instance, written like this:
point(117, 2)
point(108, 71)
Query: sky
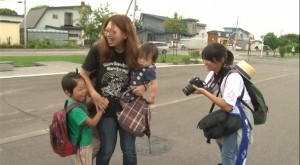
point(258, 17)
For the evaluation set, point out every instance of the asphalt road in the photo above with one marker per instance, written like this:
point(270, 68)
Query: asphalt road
point(28, 103)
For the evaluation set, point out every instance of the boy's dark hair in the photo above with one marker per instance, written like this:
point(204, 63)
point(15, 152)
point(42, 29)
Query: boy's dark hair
point(150, 48)
point(69, 81)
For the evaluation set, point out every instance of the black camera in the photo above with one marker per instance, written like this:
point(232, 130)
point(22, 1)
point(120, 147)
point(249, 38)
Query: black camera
point(194, 81)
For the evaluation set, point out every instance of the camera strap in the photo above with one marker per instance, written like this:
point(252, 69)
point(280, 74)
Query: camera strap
point(217, 79)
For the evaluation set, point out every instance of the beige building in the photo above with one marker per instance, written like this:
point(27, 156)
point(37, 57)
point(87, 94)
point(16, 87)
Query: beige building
point(10, 29)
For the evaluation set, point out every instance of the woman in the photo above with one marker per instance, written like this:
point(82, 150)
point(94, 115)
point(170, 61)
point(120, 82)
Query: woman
point(113, 56)
point(218, 61)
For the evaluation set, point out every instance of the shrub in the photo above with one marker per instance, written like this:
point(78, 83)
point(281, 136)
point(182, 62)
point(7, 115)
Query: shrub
point(282, 51)
point(194, 53)
point(186, 59)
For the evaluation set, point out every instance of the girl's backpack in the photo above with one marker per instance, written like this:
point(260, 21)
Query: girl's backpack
point(261, 109)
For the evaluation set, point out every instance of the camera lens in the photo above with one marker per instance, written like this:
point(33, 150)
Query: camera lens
point(188, 90)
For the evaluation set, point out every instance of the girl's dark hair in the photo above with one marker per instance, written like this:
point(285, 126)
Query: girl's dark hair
point(69, 81)
point(150, 48)
point(215, 52)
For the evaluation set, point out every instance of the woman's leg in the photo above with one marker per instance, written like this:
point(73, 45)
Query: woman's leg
point(107, 128)
point(127, 142)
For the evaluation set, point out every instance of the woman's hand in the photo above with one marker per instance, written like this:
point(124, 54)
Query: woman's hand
point(138, 90)
point(100, 102)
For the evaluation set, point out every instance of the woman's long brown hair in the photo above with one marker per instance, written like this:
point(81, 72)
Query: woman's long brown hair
point(131, 43)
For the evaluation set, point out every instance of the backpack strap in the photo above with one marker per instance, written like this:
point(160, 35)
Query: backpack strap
point(240, 98)
point(217, 79)
point(68, 109)
point(148, 131)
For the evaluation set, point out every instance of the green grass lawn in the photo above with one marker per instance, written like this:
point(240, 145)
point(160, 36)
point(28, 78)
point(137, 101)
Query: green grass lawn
point(30, 60)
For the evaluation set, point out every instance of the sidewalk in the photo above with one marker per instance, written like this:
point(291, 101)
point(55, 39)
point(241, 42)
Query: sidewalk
point(44, 68)
point(48, 68)
point(62, 67)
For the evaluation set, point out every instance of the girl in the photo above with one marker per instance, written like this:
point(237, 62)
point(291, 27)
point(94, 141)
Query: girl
point(218, 61)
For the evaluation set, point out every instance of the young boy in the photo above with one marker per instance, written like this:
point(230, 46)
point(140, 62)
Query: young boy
point(144, 75)
point(75, 88)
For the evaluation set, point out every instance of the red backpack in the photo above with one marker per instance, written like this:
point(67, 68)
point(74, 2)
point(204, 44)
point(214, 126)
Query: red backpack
point(58, 131)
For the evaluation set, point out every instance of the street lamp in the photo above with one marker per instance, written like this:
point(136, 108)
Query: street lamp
point(25, 33)
point(262, 45)
point(251, 36)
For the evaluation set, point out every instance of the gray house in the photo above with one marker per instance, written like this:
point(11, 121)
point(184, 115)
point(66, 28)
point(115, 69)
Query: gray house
point(153, 30)
point(55, 23)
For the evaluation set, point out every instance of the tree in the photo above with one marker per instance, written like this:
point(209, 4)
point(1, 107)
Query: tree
point(92, 21)
point(138, 25)
point(6, 11)
point(289, 41)
point(176, 26)
point(271, 41)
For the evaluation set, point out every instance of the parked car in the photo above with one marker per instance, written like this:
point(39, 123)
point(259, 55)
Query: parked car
point(232, 46)
point(237, 47)
point(173, 45)
point(162, 47)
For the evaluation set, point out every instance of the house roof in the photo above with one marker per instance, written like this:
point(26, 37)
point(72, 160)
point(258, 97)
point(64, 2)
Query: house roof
point(11, 18)
point(190, 19)
point(33, 17)
point(222, 33)
point(64, 27)
point(154, 16)
point(7, 21)
point(233, 29)
point(152, 30)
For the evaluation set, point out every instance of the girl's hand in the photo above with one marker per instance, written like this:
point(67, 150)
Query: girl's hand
point(139, 90)
point(100, 102)
point(150, 100)
point(198, 90)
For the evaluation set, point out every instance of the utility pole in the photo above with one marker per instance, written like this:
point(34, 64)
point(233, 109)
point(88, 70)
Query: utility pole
point(25, 31)
point(235, 36)
point(134, 10)
point(129, 7)
point(262, 45)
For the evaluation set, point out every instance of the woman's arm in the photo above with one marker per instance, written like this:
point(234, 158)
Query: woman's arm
point(99, 101)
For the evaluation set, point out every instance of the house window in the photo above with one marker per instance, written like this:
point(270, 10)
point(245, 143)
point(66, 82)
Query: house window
point(73, 35)
point(55, 16)
point(68, 19)
point(194, 27)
